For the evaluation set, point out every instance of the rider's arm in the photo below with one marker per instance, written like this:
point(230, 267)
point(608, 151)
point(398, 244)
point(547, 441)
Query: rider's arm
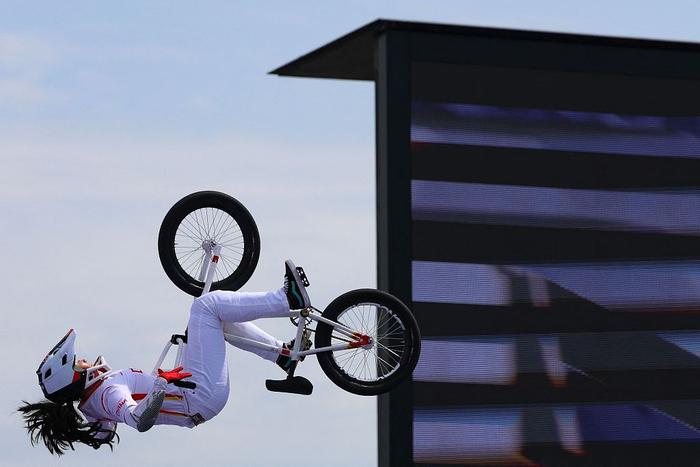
point(117, 401)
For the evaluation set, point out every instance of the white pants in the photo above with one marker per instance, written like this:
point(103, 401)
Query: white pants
point(205, 355)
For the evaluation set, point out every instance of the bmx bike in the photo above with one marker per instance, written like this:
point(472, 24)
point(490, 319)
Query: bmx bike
point(366, 341)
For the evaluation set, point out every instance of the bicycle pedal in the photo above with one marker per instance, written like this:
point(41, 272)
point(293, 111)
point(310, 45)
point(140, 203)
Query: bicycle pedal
point(293, 385)
point(302, 276)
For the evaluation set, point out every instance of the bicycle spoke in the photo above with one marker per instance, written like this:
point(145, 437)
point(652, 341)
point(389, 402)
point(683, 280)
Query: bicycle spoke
point(182, 249)
point(185, 257)
point(209, 224)
point(344, 339)
point(192, 227)
point(359, 362)
point(207, 213)
point(365, 370)
point(193, 264)
point(379, 344)
point(186, 248)
point(197, 223)
point(394, 327)
point(228, 261)
point(231, 236)
point(218, 216)
point(382, 363)
point(188, 233)
point(230, 220)
point(351, 322)
point(238, 251)
point(348, 356)
point(224, 264)
point(185, 260)
point(352, 359)
point(384, 319)
point(204, 215)
point(386, 332)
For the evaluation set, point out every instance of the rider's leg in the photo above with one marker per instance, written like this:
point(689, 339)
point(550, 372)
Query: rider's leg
point(238, 307)
point(205, 355)
point(250, 331)
point(205, 358)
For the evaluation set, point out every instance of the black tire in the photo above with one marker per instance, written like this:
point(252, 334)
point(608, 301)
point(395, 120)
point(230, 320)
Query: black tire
point(202, 216)
point(359, 309)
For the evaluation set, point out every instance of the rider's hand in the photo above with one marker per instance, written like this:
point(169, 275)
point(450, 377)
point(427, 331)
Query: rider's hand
point(173, 375)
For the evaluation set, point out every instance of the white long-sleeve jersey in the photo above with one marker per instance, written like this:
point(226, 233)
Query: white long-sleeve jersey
point(118, 395)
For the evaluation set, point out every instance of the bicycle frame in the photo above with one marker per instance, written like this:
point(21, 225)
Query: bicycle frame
point(355, 339)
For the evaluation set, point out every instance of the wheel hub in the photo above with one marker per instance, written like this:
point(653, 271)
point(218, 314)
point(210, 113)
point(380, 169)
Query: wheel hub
point(208, 245)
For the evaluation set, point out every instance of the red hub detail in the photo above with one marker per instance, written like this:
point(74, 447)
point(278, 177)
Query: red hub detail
point(361, 341)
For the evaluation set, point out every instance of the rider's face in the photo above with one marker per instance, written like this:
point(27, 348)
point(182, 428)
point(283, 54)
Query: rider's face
point(82, 364)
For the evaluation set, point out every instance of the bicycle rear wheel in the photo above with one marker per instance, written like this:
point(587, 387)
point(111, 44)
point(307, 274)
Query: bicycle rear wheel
point(394, 333)
point(197, 222)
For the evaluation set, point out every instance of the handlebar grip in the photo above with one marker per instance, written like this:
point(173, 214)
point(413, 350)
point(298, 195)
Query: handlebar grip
point(175, 337)
point(185, 384)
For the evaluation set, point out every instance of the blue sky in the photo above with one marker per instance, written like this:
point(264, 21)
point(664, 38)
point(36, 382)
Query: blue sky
point(110, 112)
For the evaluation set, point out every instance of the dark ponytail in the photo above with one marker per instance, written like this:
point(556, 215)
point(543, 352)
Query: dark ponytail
point(58, 427)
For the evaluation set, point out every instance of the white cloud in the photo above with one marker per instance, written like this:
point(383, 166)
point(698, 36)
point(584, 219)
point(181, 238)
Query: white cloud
point(23, 53)
point(25, 61)
point(17, 91)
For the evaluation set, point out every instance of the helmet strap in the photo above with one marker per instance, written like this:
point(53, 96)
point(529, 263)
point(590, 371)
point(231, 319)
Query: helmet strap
point(97, 372)
point(83, 419)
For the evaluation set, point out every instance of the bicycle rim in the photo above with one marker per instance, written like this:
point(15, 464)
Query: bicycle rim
point(201, 228)
point(390, 347)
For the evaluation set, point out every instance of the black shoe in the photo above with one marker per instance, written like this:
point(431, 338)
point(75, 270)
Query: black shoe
point(295, 286)
point(285, 361)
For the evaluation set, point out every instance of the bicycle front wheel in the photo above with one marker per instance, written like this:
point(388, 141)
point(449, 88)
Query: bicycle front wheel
point(395, 342)
point(197, 222)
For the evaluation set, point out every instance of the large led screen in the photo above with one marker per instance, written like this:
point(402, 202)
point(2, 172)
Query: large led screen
point(555, 267)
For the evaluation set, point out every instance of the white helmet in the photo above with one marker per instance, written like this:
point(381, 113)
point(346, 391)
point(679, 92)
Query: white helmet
point(60, 380)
